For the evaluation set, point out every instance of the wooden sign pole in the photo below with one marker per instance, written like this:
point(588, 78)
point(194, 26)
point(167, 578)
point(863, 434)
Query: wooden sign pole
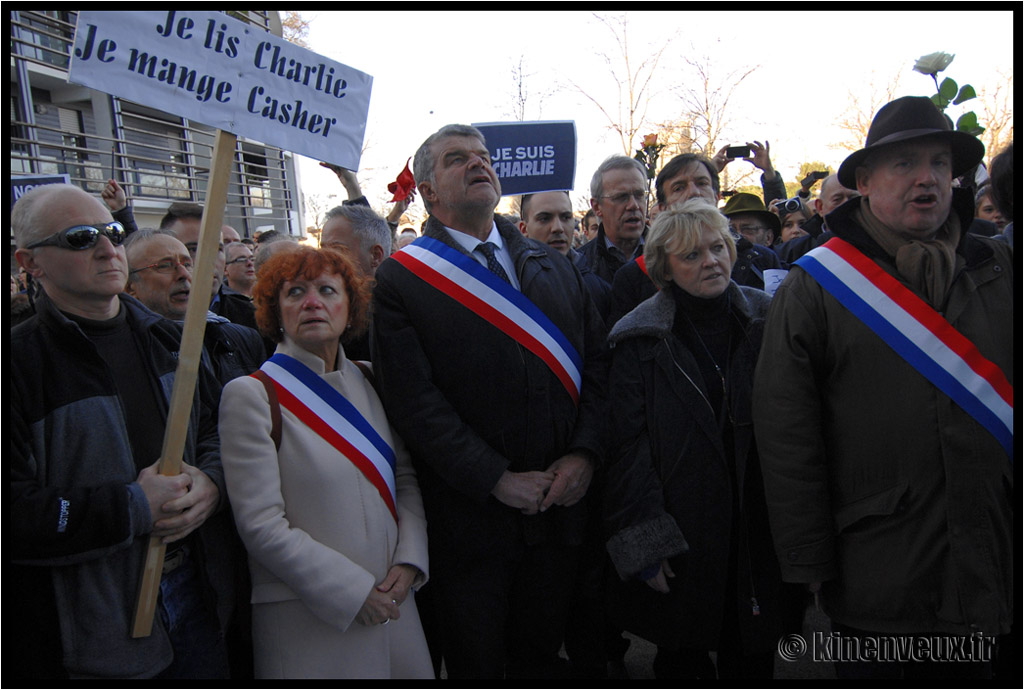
point(188, 362)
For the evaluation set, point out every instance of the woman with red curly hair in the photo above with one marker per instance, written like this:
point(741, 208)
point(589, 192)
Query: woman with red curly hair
point(323, 491)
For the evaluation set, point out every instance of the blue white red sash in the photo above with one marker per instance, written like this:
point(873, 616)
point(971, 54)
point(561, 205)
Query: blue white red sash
point(326, 411)
point(501, 305)
point(918, 333)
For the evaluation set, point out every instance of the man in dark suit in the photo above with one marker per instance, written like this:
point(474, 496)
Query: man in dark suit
point(505, 432)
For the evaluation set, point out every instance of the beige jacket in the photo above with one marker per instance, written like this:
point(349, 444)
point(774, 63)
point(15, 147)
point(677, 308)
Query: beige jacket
point(318, 533)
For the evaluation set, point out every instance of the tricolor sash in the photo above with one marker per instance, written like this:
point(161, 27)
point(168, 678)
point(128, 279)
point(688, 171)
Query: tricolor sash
point(916, 332)
point(326, 411)
point(482, 292)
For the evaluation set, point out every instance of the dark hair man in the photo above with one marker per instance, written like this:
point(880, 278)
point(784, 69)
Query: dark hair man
point(503, 452)
point(92, 375)
point(684, 177)
point(547, 217)
point(1003, 191)
point(590, 225)
point(183, 220)
point(883, 408)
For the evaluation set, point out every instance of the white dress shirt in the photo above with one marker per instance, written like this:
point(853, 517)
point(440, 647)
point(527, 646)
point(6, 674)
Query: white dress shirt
point(501, 253)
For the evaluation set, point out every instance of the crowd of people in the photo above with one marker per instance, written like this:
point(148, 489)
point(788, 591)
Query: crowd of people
point(490, 448)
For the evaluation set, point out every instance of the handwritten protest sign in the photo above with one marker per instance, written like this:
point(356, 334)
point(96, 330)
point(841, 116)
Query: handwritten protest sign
point(773, 277)
point(211, 68)
point(531, 157)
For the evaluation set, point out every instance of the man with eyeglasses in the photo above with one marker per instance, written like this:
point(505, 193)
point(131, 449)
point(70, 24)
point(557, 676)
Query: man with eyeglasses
point(160, 276)
point(685, 176)
point(91, 380)
point(752, 226)
point(239, 269)
point(618, 193)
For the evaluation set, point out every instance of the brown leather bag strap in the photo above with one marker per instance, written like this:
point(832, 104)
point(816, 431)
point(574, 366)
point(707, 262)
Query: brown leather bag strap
point(275, 407)
point(367, 372)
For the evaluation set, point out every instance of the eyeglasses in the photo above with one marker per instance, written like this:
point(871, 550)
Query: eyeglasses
point(80, 237)
point(166, 266)
point(240, 260)
point(747, 229)
point(622, 198)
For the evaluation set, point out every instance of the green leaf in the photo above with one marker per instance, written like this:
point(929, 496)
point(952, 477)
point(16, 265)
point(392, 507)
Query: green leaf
point(939, 103)
point(967, 122)
point(966, 94)
point(947, 89)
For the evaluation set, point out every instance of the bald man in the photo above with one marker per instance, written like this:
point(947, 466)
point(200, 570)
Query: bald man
point(91, 379)
point(833, 195)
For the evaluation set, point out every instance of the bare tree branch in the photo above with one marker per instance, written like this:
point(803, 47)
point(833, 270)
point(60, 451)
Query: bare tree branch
point(863, 104)
point(634, 84)
point(996, 114)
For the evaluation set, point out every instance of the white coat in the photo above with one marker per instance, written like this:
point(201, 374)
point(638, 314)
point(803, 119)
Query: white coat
point(320, 536)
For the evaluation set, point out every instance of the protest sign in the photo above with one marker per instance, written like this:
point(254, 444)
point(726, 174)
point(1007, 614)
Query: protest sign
point(212, 68)
point(531, 157)
point(23, 183)
point(773, 277)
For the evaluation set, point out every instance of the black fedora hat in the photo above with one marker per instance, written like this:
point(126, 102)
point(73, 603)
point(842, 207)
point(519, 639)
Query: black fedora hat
point(913, 117)
point(751, 203)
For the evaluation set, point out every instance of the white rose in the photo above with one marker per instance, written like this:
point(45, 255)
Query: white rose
point(933, 63)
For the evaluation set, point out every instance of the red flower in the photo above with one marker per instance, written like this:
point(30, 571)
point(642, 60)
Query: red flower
point(404, 187)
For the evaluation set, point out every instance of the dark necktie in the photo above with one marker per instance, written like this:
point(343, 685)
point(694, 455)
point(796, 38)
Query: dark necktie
point(492, 261)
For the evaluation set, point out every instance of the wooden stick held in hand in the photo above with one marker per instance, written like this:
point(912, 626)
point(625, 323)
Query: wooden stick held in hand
point(188, 363)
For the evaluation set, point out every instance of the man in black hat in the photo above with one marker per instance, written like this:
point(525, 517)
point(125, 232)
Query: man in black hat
point(754, 228)
point(884, 413)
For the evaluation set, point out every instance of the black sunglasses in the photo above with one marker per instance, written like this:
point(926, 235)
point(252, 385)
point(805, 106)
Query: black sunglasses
point(83, 236)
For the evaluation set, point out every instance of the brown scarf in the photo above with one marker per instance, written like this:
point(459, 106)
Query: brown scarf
point(926, 265)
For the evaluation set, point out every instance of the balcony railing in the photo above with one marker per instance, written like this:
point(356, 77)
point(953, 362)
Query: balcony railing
point(153, 155)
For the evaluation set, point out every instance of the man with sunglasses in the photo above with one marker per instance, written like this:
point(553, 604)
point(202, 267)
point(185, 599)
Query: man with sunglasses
point(91, 378)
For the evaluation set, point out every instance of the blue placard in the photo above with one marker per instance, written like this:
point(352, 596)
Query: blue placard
point(532, 157)
point(23, 183)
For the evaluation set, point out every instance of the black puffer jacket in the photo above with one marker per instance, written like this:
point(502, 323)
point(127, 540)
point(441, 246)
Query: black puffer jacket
point(80, 530)
point(669, 480)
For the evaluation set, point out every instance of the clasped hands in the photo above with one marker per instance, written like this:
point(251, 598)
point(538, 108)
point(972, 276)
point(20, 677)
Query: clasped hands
point(564, 483)
point(381, 605)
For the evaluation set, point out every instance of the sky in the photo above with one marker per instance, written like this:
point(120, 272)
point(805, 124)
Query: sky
point(435, 68)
